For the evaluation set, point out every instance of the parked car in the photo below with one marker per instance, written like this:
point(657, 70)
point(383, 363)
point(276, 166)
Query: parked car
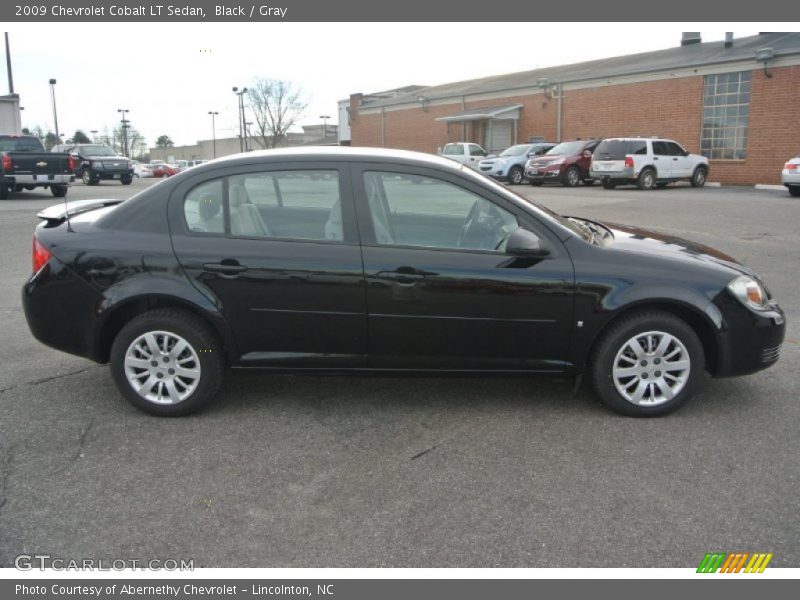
point(510, 164)
point(646, 162)
point(164, 170)
point(98, 162)
point(567, 164)
point(466, 153)
point(790, 176)
point(26, 165)
point(182, 165)
point(141, 170)
point(261, 262)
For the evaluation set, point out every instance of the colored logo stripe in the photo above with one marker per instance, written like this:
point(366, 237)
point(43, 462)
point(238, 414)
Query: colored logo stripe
point(733, 562)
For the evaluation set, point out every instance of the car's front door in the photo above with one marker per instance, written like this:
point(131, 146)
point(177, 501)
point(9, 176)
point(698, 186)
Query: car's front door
point(681, 163)
point(441, 291)
point(276, 247)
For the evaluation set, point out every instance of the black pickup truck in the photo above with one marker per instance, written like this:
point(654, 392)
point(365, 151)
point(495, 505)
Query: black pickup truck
point(24, 165)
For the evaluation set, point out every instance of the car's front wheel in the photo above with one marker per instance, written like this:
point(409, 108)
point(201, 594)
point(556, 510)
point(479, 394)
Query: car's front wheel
point(699, 177)
point(126, 180)
point(572, 177)
point(88, 178)
point(647, 364)
point(515, 175)
point(167, 362)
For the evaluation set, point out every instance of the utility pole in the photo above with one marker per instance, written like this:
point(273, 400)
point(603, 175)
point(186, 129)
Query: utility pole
point(125, 122)
point(8, 68)
point(214, 130)
point(242, 141)
point(55, 113)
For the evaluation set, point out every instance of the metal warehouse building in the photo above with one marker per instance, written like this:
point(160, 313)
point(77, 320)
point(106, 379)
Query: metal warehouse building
point(735, 101)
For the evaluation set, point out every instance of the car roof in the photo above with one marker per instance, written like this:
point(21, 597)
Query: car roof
point(339, 153)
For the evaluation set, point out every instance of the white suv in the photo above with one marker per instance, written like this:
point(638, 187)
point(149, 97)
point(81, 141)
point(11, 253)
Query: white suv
point(647, 162)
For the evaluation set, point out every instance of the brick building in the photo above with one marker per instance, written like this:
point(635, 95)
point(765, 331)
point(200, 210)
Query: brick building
point(736, 101)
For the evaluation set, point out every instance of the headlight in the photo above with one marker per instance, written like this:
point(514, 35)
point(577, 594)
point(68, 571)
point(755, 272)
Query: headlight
point(96, 164)
point(500, 162)
point(749, 292)
point(556, 162)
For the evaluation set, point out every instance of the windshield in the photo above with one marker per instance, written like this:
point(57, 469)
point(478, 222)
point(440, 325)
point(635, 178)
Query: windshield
point(566, 148)
point(98, 150)
point(20, 144)
point(515, 150)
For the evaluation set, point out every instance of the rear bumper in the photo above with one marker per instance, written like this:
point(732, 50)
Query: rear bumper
point(60, 179)
point(619, 175)
point(60, 309)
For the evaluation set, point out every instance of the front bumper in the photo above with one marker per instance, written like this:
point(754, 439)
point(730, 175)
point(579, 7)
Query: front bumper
point(543, 174)
point(748, 341)
point(112, 174)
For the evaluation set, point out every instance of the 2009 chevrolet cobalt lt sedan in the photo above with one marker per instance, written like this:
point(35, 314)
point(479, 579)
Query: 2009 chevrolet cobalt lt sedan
point(383, 261)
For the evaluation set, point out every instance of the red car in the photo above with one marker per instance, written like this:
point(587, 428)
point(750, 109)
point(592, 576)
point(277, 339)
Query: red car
point(163, 171)
point(567, 163)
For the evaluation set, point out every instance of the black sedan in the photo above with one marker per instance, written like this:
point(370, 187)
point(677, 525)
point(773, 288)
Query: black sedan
point(383, 261)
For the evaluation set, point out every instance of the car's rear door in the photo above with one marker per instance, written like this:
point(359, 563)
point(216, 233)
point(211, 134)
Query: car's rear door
point(276, 246)
point(441, 292)
point(662, 159)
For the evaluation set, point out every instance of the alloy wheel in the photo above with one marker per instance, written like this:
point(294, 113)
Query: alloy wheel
point(651, 368)
point(162, 367)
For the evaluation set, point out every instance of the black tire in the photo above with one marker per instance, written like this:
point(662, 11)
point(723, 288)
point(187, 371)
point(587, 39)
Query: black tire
point(608, 184)
point(202, 342)
point(4, 191)
point(572, 177)
point(88, 178)
point(794, 191)
point(536, 183)
point(646, 180)
point(588, 182)
point(30, 187)
point(19, 188)
point(59, 191)
point(126, 180)
point(612, 342)
point(699, 177)
point(515, 175)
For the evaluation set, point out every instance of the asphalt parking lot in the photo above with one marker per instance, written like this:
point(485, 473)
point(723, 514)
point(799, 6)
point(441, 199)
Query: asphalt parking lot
point(304, 471)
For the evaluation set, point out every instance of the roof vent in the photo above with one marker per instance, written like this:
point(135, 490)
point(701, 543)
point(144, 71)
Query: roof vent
point(690, 37)
point(728, 39)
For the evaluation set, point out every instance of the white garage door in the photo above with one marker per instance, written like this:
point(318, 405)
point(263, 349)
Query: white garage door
point(500, 134)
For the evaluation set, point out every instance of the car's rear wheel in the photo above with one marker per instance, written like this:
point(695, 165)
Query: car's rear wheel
point(588, 182)
point(167, 362)
point(572, 177)
point(647, 365)
point(794, 190)
point(646, 180)
point(4, 189)
point(515, 175)
point(126, 180)
point(59, 191)
point(699, 177)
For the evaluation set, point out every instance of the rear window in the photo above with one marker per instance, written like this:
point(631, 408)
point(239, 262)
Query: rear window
point(20, 144)
point(619, 149)
point(452, 149)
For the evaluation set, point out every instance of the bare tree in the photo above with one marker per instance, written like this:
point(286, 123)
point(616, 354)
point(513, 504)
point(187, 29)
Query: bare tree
point(276, 106)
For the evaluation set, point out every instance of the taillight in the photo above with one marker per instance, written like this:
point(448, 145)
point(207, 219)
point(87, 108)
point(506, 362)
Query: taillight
point(628, 162)
point(40, 255)
point(71, 164)
point(8, 164)
point(791, 166)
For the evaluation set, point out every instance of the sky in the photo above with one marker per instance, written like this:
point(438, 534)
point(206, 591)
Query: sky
point(170, 75)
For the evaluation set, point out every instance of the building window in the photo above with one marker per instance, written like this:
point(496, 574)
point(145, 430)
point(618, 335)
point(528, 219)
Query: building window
point(726, 112)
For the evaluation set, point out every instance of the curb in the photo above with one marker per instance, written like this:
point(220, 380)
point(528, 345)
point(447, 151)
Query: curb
point(765, 186)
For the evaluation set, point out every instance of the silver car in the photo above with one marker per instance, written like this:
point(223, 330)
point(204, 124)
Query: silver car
point(790, 176)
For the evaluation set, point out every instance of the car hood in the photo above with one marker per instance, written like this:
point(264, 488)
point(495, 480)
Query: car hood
point(118, 158)
point(548, 158)
point(645, 241)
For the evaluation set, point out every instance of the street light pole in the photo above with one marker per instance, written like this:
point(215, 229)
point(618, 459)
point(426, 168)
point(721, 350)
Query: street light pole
point(214, 130)
point(324, 125)
point(124, 111)
point(94, 135)
point(55, 113)
point(240, 106)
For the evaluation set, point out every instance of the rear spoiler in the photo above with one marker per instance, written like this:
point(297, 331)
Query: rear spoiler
point(60, 212)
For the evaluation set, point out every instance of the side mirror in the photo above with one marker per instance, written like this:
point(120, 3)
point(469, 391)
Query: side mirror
point(527, 244)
